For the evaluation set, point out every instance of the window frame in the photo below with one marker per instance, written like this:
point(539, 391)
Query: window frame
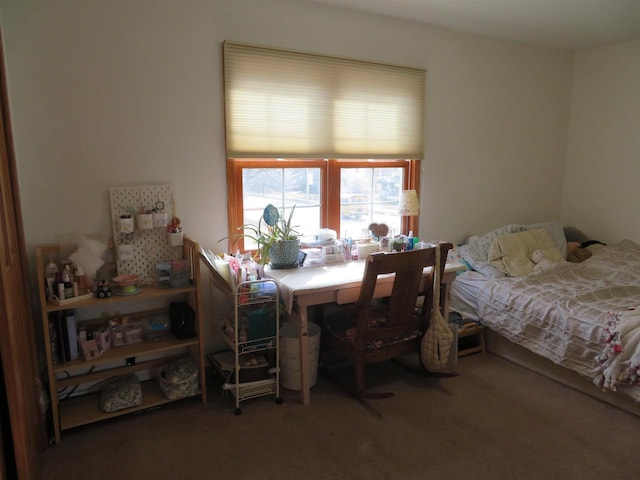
point(329, 188)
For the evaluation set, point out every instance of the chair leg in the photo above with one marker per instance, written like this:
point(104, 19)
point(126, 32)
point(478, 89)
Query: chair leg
point(358, 371)
point(359, 367)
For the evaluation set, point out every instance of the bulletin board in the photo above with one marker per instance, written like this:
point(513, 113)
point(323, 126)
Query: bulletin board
point(138, 246)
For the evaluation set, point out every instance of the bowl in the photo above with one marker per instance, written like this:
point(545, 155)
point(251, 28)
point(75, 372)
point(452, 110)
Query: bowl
point(126, 280)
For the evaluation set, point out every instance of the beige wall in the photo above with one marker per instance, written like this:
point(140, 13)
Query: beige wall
point(129, 92)
point(602, 182)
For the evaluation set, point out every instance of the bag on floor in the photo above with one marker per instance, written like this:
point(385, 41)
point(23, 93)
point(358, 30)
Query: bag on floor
point(121, 392)
point(180, 379)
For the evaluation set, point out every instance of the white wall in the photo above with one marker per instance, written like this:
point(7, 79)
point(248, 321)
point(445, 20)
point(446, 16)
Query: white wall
point(602, 183)
point(130, 92)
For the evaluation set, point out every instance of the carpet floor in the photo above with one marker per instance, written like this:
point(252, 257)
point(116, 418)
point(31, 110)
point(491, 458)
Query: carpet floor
point(495, 420)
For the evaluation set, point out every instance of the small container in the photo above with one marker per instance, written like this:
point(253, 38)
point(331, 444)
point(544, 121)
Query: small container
point(125, 224)
point(179, 278)
point(144, 221)
point(159, 219)
point(163, 274)
point(127, 334)
point(156, 328)
point(175, 239)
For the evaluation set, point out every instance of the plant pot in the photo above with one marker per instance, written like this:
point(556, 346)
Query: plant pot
point(284, 254)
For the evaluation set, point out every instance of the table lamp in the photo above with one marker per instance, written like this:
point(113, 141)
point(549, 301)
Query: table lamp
point(409, 205)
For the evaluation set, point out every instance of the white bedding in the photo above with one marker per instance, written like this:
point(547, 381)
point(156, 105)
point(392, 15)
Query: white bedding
point(464, 293)
point(561, 313)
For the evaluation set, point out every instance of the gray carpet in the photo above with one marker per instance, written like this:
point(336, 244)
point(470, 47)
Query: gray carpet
point(494, 420)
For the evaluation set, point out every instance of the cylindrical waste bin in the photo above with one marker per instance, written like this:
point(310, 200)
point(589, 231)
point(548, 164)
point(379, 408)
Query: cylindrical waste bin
point(290, 355)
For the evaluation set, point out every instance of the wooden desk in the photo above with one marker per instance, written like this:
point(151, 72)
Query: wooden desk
point(339, 283)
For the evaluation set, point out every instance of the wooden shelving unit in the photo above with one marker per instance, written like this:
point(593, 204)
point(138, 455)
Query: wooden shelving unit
point(84, 409)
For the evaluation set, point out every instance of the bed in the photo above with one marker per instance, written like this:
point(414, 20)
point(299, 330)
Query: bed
point(575, 321)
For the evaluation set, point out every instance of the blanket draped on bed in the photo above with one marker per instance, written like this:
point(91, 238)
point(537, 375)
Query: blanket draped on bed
point(619, 362)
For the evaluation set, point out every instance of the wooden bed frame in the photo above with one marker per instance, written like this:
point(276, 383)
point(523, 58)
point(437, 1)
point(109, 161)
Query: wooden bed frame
point(500, 346)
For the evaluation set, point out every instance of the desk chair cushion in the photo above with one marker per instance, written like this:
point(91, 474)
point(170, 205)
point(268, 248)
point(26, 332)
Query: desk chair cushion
point(342, 327)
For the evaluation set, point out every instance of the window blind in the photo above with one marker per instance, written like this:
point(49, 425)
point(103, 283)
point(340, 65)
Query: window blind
point(286, 104)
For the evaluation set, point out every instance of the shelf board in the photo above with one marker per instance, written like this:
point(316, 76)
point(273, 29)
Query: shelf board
point(112, 372)
point(148, 291)
point(85, 409)
point(127, 351)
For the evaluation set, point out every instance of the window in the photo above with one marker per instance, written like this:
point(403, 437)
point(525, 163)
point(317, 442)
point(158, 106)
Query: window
point(298, 128)
point(343, 195)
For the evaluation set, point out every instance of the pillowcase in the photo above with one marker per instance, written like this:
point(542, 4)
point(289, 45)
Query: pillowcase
point(511, 253)
point(475, 252)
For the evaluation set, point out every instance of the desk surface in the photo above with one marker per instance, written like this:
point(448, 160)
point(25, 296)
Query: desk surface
point(312, 280)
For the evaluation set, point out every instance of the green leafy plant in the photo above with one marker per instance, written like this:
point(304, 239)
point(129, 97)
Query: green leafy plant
point(271, 229)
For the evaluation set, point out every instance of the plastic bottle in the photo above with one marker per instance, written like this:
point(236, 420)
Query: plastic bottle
point(50, 272)
point(80, 280)
point(66, 280)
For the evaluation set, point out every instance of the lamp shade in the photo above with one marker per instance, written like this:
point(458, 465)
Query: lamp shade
point(409, 204)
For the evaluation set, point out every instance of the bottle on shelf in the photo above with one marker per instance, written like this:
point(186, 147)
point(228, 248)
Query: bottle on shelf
point(66, 280)
point(50, 272)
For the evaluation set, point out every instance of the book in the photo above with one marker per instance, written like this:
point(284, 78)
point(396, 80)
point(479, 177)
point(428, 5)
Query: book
point(53, 339)
point(72, 335)
point(57, 319)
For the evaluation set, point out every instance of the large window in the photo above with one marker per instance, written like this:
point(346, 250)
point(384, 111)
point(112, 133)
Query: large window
point(322, 134)
point(342, 195)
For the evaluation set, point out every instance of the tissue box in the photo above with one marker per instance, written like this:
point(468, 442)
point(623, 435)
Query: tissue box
point(366, 249)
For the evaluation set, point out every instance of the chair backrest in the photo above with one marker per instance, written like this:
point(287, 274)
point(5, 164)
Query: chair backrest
point(409, 282)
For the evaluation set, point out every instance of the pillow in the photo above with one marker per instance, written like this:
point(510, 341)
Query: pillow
point(475, 252)
point(511, 253)
point(555, 231)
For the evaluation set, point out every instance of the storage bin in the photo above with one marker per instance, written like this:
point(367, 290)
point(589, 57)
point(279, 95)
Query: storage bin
point(179, 278)
point(156, 328)
point(127, 334)
point(290, 355)
point(163, 274)
point(261, 323)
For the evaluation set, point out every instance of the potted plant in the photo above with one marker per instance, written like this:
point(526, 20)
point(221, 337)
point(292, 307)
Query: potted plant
point(277, 239)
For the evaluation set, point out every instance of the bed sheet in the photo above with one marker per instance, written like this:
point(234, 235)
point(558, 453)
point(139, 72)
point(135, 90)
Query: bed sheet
point(464, 293)
point(562, 313)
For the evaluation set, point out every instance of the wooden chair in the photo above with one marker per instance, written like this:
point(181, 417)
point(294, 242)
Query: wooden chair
point(378, 329)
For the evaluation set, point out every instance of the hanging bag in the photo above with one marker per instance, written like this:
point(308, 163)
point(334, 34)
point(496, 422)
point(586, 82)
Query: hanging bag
point(438, 340)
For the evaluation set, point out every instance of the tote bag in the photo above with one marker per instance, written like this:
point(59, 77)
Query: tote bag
point(437, 342)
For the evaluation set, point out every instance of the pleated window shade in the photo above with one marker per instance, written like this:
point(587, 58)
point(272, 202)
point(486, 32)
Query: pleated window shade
point(285, 104)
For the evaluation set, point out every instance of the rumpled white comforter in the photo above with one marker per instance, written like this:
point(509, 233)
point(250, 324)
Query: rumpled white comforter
point(562, 313)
